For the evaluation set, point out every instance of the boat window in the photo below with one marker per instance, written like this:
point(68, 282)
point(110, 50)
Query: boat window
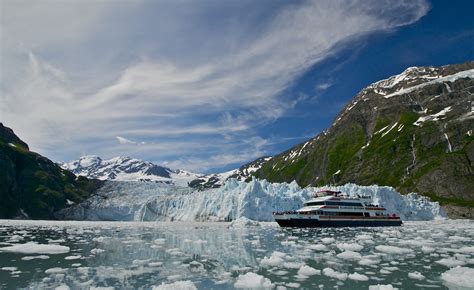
point(314, 203)
point(342, 213)
point(351, 213)
point(366, 214)
point(343, 203)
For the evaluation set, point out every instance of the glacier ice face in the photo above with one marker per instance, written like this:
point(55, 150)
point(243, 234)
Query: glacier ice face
point(254, 200)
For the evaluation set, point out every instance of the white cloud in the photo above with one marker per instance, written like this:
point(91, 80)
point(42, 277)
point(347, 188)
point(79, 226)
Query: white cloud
point(123, 140)
point(324, 86)
point(91, 77)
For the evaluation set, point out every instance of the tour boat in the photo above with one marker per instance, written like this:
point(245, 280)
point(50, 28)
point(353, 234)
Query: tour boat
point(333, 209)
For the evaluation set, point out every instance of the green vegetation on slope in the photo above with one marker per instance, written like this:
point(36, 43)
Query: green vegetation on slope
point(376, 141)
point(32, 185)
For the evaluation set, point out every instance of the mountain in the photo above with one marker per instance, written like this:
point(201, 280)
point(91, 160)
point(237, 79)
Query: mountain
point(412, 131)
point(243, 173)
point(131, 169)
point(32, 186)
point(127, 169)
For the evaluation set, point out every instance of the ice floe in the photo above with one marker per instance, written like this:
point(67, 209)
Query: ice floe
point(178, 285)
point(253, 281)
point(459, 278)
point(34, 248)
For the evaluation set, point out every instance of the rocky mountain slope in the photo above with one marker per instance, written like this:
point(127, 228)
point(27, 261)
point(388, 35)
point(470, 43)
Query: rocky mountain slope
point(412, 131)
point(32, 186)
point(131, 169)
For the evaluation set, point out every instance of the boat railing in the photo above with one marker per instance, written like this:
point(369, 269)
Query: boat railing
point(284, 212)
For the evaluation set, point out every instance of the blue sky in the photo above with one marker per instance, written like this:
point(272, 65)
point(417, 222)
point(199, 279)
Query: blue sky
point(206, 85)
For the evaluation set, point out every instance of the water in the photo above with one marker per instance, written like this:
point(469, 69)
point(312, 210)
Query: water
point(217, 255)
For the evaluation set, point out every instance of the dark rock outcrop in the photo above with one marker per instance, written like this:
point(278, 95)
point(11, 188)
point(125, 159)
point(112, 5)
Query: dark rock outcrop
point(32, 186)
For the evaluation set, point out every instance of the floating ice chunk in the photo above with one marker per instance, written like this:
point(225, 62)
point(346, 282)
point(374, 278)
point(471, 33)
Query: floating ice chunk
point(382, 287)
point(293, 285)
point(368, 261)
point(459, 277)
point(467, 250)
point(34, 248)
point(178, 285)
point(40, 257)
point(155, 264)
point(328, 240)
point(174, 277)
point(96, 251)
point(393, 250)
point(349, 255)
point(334, 274)
point(243, 222)
point(9, 269)
point(277, 258)
point(55, 270)
point(73, 257)
point(292, 265)
point(449, 262)
point(318, 247)
point(57, 241)
point(101, 288)
point(427, 249)
point(350, 247)
point(253, 281)
point(363, 237)
point(358, 277)
point(306, 270)
point(416, 275)
point(62, 287)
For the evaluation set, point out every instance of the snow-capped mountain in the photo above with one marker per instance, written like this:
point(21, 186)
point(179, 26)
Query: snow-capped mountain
point(128, 169)
point(131, 169)
point(243, 173)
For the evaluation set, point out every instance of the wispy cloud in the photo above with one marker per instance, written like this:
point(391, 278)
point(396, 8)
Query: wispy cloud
point(183, 89)
point(123, 140)
point(324, 86)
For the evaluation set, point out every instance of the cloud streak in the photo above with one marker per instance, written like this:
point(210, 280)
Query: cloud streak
point(221, 89)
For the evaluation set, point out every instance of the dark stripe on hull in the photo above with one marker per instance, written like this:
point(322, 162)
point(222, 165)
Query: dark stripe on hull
point(306, 223)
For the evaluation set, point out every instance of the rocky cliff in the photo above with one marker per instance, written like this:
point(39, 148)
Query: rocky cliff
point(32, 186)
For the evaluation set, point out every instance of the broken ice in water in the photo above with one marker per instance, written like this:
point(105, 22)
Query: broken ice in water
point(162, 255)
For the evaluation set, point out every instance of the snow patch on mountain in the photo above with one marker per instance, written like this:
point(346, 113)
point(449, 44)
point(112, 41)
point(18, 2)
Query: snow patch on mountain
point(254, 200)
point(426, 81)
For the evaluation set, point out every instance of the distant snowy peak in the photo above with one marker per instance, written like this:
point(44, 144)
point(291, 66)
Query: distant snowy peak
point(241, 174)
point(131, 169)
point(127, 169)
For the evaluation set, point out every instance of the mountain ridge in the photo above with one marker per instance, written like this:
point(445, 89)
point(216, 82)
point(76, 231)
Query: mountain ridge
point(412, 131)
point(132, 169)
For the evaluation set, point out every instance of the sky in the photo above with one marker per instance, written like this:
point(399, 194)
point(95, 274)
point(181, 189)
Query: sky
point(207, 85)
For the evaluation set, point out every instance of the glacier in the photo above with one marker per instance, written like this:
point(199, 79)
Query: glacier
point(255, 200)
